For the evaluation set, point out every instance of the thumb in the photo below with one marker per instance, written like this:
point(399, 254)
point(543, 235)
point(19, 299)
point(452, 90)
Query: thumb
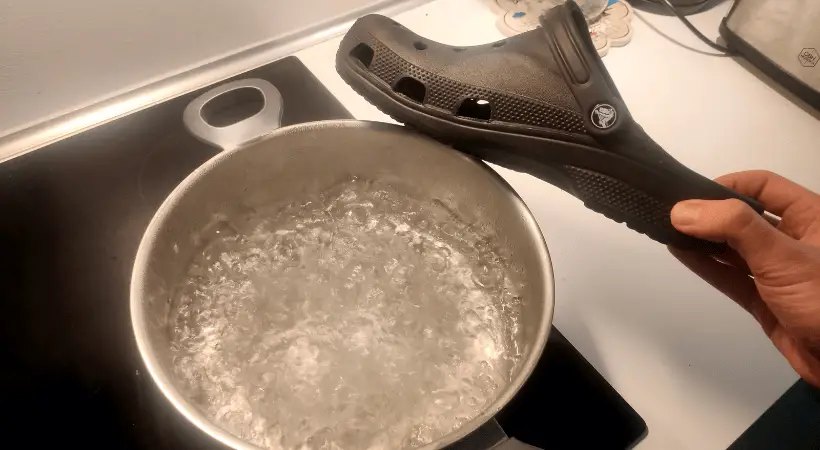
point(737, 224)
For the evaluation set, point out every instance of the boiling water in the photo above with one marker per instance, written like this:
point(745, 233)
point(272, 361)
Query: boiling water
point(359, 318)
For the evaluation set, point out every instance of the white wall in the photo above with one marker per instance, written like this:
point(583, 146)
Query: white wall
point(59, 55)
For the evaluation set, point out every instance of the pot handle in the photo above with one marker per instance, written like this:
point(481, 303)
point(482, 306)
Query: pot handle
point(492, 437)
point(240, 133)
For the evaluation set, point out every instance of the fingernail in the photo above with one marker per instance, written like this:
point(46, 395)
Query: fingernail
point(686, 213)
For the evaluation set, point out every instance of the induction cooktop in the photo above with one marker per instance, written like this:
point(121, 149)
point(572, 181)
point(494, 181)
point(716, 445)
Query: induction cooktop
point(71, 218)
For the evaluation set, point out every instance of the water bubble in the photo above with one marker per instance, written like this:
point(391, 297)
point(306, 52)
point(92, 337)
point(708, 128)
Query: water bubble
point(358, 214)
point(437, 259)
point(449, 228)
point(488, 276)
point(402, 228)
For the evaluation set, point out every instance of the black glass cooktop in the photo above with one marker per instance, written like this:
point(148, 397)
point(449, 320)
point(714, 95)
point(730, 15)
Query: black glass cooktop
point(71, 217)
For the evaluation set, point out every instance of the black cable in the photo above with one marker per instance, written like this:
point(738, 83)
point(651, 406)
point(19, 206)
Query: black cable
point(694, 30)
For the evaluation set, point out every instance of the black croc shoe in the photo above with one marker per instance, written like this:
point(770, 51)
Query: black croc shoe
point(542, 103)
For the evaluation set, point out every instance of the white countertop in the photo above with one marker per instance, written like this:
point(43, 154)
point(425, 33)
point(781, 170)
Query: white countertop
point(691, 362)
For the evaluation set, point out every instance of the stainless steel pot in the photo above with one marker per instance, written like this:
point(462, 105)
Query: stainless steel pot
point(261, 167)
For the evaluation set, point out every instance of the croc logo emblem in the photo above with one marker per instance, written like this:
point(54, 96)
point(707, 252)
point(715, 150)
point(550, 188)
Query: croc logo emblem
point(603, 116)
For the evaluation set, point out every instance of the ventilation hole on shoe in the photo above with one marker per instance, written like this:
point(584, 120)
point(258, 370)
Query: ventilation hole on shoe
point(475, 108)
point(499, 43)
point(459, 49)
point(420, 45)
point(363, 53)
point(411, 88)
point(233, 107)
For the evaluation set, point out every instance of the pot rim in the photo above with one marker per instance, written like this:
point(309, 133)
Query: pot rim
point(195, 416)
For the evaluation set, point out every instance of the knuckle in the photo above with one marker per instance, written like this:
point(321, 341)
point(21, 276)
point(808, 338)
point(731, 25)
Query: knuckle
point(764, 173)
point(735, 211)
point(736, 217)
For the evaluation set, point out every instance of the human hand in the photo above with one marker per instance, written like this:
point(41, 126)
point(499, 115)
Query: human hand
point(783, 291)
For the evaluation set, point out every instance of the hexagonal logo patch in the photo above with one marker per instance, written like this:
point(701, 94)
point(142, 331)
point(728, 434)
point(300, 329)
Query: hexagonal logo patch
point(808, 57)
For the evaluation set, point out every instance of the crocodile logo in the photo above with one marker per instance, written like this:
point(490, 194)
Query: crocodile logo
point(603, 116)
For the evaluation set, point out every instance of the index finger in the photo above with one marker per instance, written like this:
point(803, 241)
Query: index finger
point(778, 195)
